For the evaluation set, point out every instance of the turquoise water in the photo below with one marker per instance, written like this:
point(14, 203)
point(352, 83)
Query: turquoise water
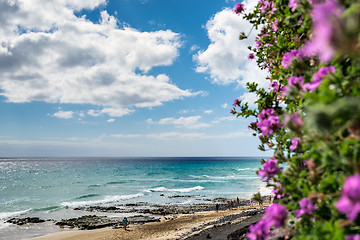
point(50, 188)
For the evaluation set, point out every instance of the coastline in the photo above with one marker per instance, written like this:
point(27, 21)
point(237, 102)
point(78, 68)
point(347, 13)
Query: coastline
point(197, 225)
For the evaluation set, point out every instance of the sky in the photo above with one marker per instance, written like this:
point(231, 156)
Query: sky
point(121, 78)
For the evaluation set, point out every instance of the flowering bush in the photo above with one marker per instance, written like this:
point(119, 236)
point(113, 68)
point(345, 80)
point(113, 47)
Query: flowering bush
point(309, 117)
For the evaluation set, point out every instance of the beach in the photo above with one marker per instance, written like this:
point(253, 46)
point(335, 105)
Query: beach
point(64, 195)
point(198, 225)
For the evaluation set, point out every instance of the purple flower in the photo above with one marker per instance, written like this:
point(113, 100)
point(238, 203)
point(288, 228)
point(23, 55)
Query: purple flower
point(270, 169)
point(289, 57)
point(239, 8)
point(294, 143)
point(276, 214)
point(293, 120)
point(318, 77)
point(353, 237)
point(237, 102)
point(296, 82)
point(349, 202)
point(251, 56)
point(306, 207)
point(323, 16)
point(293, 5)
point(275, 25)
point(267, 6)
point(259, 231)
point(268, 122)
point(278, 192)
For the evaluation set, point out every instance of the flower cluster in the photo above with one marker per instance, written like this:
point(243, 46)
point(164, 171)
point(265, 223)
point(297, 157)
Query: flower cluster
point(270, 169)
point(318, 77)
point(239, 8)
point(324, 14)
point(275, 215)
point(306, 208)
point(349, 202)
point(290, 56)
point(268, 122)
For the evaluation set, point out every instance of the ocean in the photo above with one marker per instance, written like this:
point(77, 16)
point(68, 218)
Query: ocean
point(50, 188)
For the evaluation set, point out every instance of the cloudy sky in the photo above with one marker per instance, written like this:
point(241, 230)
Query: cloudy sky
point(124, 78)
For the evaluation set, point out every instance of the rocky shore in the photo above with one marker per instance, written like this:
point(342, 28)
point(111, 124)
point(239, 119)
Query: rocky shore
point(231, 220)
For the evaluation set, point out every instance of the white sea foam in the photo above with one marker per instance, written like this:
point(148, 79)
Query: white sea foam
point(107, 199)
point(246, 169)
point(183, 190)
point(229, 177)
point(6, 215)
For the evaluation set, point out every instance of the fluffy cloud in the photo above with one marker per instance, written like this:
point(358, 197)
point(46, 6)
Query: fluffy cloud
point(195, 135)
point(49, 54)
point(64, 114)
point(192, 122)
point(112, 112)
point(225, 59)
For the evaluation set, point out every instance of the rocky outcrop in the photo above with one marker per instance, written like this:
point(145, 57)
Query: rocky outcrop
point(93, 222)
point(23, 221)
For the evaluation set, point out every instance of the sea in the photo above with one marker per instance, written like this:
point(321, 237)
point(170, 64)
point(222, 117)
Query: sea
point(50, 188)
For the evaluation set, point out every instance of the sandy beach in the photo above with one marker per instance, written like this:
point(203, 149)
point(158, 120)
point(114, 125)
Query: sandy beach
point(199, 225)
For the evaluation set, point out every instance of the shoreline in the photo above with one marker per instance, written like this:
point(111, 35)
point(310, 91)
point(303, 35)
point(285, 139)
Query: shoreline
point(198, 225)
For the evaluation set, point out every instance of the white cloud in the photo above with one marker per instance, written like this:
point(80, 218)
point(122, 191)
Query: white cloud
point(125, 135)
point(64, 114)
point(208, 111)
point(49, 54)
point(192, 122)
point(250, 98)
point(112, 112)
point(111, 120)
point(224, 106)
point(196, 135)
point(225, 59)
point(223, 119)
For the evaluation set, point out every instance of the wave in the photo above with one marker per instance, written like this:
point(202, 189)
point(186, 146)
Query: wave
point(114, 183)
point(87, 196)
point(107, 199)
point(230, 177)
point(247, 169)
point(183, 190)
point(6, 215)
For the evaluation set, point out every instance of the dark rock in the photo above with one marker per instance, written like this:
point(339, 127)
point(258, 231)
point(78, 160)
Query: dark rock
point(23, 221)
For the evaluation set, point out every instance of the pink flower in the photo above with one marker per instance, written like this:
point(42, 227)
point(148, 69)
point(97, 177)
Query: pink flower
point(318, 77)
point(289, 57)
point(251, 56)
point(323, 16)
point(276, 214)
point(293, 5)
point(275, 25)
point(293, 120)
point(349, 202)
point(270, 169)
point(268, 122)
point(239, 8)
point(237, 102)
point(306, 207)
point(259, 231)
point(294, 143)
point(278, 192)
point(296, 82)
point(353, 237)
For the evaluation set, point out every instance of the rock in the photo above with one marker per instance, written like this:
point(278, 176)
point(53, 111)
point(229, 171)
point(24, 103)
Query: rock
point(23, 221)
point(93, 222)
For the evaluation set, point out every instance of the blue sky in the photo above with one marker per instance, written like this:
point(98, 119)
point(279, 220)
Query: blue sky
point(124, 78)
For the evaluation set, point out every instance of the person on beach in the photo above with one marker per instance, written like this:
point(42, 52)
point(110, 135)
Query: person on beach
point(125, 223)
point(217, 207)
point(231, 204)
point(251, 202)
point(238, 201)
